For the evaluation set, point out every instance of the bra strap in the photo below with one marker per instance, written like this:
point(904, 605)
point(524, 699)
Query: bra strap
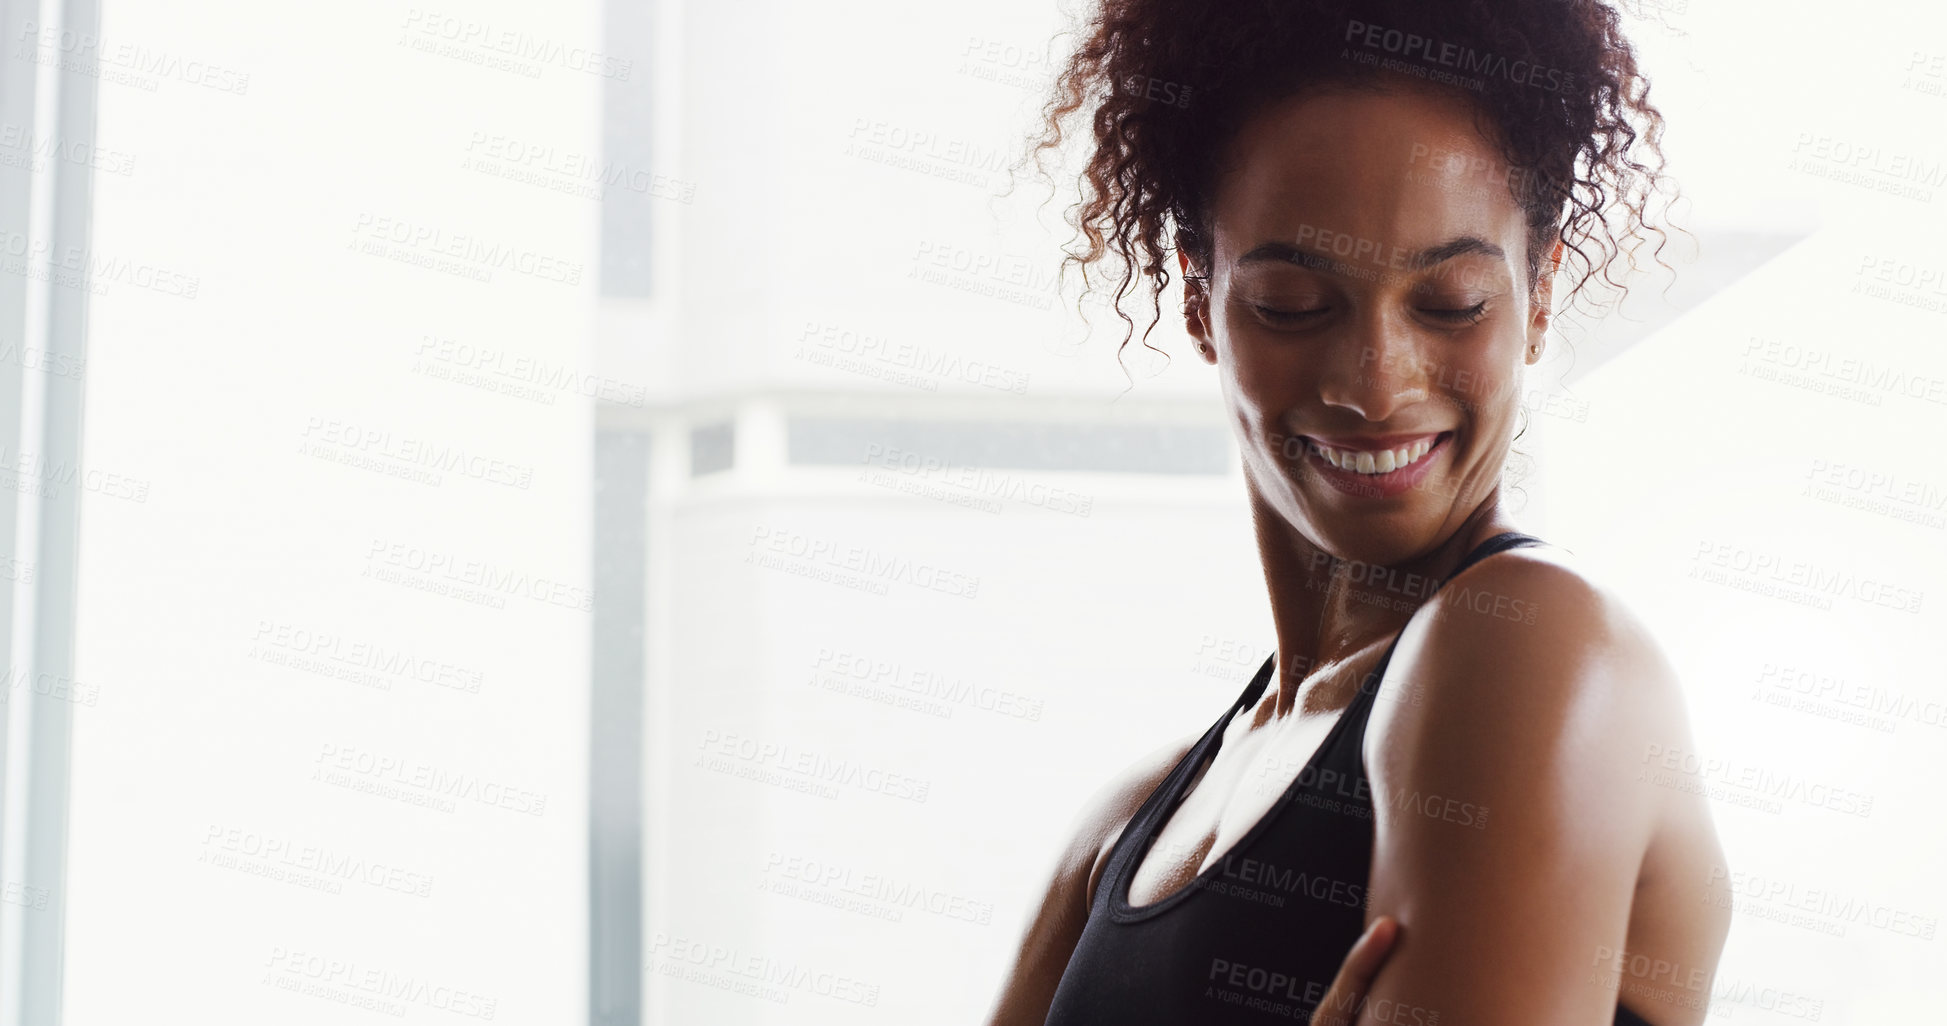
point(1142, 824)
point(1499, 543)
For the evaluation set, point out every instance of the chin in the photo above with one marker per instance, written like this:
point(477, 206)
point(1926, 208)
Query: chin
point(1381, 531)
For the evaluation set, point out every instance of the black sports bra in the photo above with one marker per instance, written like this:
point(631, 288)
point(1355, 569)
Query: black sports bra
point(1258, 936)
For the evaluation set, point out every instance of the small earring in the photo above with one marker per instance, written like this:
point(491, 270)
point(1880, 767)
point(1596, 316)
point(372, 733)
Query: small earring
point(1534, 349)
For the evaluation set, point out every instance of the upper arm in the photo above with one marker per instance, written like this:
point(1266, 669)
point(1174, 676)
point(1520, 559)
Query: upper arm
point(1056, 925)
point(1509, 826)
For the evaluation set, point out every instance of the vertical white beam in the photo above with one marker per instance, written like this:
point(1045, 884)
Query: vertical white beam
point(46, 526)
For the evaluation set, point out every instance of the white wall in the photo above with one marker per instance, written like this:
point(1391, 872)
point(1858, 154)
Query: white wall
point(251, 836)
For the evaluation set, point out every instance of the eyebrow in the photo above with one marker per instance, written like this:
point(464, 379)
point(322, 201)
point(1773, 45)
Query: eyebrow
point(1287, 252)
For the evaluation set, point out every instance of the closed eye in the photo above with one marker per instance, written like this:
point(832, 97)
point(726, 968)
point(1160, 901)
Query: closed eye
point(1292, 318)
point(1468, 315)
point(1287, 317)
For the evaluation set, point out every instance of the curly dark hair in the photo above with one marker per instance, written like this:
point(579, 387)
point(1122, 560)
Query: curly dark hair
point(1167, 83)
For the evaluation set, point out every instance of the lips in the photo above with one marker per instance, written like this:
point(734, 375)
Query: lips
point(1378, 466)
point(1375, 461)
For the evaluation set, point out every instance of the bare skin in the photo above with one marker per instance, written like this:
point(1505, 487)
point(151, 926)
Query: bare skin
point(1365, 293)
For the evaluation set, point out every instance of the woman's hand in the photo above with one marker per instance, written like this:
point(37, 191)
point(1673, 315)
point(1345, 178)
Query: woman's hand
point(1347, 995)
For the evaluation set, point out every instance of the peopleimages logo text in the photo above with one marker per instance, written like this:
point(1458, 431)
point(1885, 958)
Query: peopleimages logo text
point(1465, 58)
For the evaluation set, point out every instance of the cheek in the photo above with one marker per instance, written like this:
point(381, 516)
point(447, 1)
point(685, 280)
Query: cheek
point(1488, 375)
point(1259, 372)
point(1265, 384)
point(1487, 392)
point(1491, 397)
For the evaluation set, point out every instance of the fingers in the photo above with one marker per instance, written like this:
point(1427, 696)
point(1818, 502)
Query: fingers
point(1368, 953)
point(1341, 1004)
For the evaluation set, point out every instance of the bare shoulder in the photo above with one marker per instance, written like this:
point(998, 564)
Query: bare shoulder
point(1531, 625)
point(1523, 668)
point(1517, 834)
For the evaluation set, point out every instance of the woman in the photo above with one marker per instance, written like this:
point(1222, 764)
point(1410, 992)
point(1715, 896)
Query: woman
point(1371, 203)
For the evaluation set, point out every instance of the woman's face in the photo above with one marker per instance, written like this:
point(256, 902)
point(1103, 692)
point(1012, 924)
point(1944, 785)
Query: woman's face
point(1369, 315)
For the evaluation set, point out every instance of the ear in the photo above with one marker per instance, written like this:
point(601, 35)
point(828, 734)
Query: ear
point(1542, 303)
point(1196, 306)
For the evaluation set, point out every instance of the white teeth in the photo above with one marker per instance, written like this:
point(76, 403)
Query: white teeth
point(1374, 461)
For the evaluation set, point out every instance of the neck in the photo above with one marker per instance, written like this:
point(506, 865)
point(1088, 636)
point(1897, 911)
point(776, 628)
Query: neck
point(1327, 610)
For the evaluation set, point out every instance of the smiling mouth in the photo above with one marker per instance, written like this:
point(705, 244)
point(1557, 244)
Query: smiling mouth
point(1376, 462)
point(1375, 472)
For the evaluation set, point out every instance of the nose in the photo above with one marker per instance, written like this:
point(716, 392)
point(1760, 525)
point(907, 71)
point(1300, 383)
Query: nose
point(1375, 369)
